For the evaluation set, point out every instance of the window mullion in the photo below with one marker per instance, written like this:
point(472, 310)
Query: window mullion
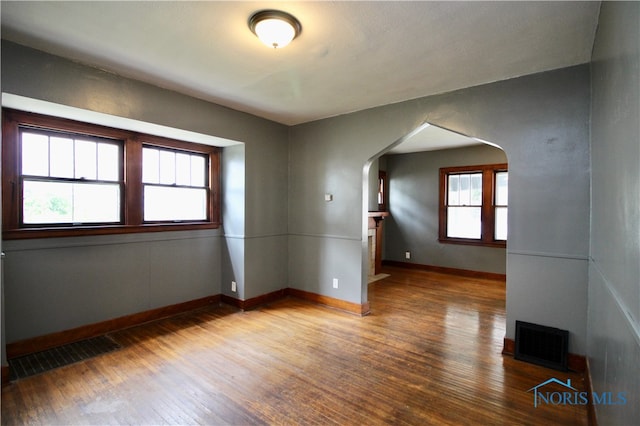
point(213, 185)
point(11, 169)
point(48, 155)
point(133, 196)
point(487, 206)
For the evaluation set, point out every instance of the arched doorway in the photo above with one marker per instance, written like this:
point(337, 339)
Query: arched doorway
point(411, 225)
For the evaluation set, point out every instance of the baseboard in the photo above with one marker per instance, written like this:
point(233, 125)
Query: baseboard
point(48, 341)
point(331, 302)
point(354, 308)
point(6, 374)
point(508, 347)
point(40, 343)
point(576, 363)
point(254, 302)
point(445, 270)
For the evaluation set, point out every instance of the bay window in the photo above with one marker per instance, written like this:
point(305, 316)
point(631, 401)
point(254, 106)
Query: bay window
point(62, 178)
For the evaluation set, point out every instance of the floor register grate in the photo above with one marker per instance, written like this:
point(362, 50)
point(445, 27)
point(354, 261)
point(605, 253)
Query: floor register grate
point(40, 362)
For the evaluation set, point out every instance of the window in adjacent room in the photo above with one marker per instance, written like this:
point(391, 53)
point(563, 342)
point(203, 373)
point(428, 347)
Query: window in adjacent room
point(62, 177)
point(501, 198)
point(382, 191)
point(473, 205)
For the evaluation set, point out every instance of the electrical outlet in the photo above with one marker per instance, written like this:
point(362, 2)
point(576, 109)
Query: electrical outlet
point(335, 283)
point(234, 286)
point(407, 255)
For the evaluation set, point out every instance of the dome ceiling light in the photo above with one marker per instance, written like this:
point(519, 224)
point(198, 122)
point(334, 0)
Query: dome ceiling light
point(274, 28)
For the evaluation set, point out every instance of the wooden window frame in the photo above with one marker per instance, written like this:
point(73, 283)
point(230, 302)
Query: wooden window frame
point(383, 190)
point(487, 211)
point(132, 194)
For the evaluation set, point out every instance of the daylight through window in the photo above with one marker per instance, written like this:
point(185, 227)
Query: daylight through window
point(69, 180)
point(175, 185)
point(62, 177)
point(473, 205)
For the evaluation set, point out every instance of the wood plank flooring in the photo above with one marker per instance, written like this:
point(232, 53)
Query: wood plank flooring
point(429, 353)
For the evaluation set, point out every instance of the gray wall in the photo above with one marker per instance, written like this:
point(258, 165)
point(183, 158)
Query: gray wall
point(372, 202)
point(614, 268)
point(58, 284)
point(414, 181)
point(542, 123)
point(52, 285)
point(233, 219)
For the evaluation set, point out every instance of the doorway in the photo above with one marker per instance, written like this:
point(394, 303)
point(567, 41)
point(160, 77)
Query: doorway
point(409, 229)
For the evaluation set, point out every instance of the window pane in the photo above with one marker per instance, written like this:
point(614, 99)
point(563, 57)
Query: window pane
point(150, 165)
point(47, 202)
point(198, 171)
point(465, 190)
point(502, 182)
point(167, 203)
point(64, 202)
point(476, 189)
point(95, 203)
point(61, 157)
point(183, 169)
point(108, 162)
point(35, 154)
point(167, 167)
point(501, 224)
point(453, 197)
point(463, 222)
point(85, 161)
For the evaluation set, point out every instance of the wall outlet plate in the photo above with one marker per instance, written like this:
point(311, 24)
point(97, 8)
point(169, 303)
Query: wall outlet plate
point(407, 255)
point(234, 286)
point(335, 283)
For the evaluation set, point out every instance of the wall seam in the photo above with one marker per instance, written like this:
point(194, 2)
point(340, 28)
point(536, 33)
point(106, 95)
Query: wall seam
point(548, 254)
point(633, 324)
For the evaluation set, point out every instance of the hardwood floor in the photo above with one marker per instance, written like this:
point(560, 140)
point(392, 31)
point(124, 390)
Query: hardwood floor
point(429, 353)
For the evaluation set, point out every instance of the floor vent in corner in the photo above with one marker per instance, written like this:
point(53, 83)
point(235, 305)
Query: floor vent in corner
point(541, 345)
point(40, 362)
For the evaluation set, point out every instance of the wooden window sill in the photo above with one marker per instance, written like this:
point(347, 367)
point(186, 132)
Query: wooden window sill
point(26, 233)
point(466, 242)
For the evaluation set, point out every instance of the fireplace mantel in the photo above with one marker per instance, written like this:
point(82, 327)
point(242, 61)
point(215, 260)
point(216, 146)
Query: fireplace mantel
point(375, 218)
point(375, 231)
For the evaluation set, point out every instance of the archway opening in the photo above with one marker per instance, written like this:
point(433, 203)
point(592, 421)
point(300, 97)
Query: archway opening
point(436, 199)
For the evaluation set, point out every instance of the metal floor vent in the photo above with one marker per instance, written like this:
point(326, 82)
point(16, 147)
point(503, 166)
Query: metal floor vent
point(541, 345)
point(40, 362)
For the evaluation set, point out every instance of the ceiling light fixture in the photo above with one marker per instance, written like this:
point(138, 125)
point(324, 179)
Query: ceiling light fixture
point(274, 28)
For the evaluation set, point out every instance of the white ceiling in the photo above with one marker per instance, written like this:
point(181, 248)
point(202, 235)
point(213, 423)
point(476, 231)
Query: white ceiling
point(432, 138)
point(350, 56)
